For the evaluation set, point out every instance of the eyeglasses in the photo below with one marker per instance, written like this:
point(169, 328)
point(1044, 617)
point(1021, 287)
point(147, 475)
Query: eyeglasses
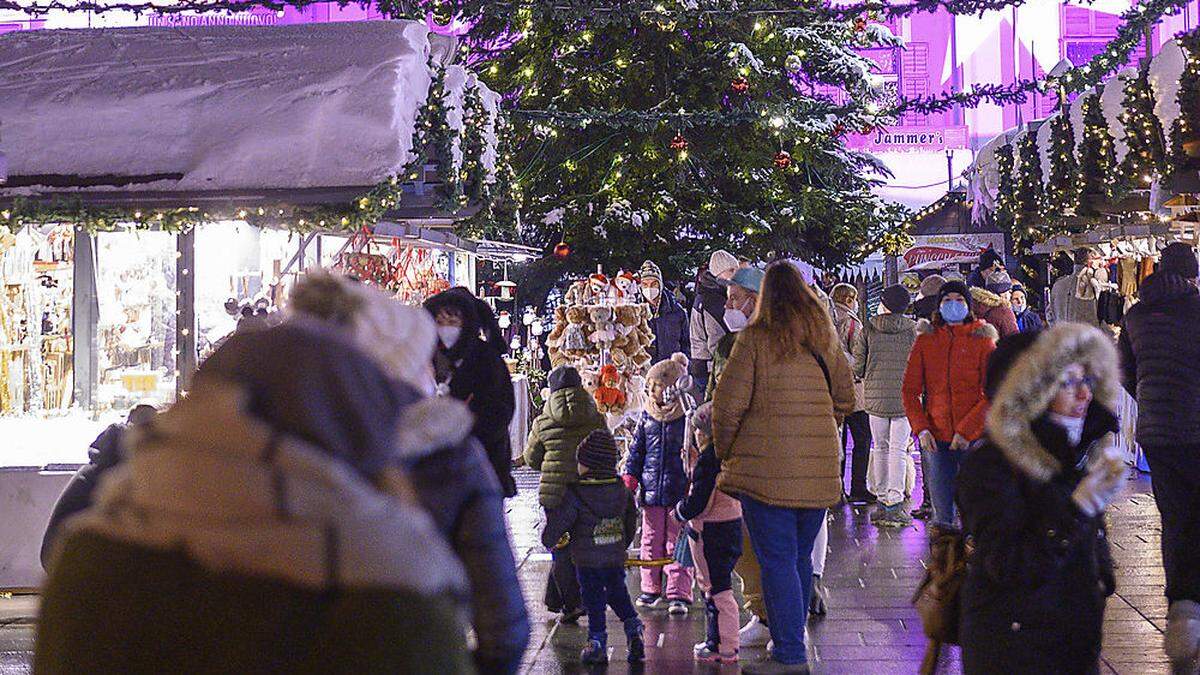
point(1075, 382)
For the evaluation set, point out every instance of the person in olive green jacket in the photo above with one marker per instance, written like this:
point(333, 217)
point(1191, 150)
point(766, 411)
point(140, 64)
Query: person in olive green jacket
point(258, 526)
point(568, 417)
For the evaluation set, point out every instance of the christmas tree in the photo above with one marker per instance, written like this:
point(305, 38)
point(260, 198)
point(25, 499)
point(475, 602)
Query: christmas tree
point(663, 131)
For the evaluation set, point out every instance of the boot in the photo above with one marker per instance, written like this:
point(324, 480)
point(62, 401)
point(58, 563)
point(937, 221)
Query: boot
point(637, 644)
point(1181, 640)
point(816, 606)
point(595, 652)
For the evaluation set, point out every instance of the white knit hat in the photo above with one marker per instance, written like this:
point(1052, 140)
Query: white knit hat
point(401, 338)
point(721, 261)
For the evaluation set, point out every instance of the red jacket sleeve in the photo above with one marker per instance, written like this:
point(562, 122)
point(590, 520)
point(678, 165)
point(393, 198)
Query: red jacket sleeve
point(971, 426)
point(914, 387)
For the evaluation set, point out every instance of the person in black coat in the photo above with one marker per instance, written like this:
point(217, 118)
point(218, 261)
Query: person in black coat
point(669, 322)
point(1160, 356)
point(1032, 499)
point(470, 366)
point(104, 454)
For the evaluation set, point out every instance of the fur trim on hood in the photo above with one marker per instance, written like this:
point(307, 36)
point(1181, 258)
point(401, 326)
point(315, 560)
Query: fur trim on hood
point(208, 478)
point(987, 298)
point(432, 424)
point(1032, 382)
point(982, 329)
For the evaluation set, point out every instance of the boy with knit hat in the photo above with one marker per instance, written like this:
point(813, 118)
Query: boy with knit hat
point(595, 522)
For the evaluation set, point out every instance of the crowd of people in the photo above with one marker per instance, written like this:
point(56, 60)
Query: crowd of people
point(349, 514)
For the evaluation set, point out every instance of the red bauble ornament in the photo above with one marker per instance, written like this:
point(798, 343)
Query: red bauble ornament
point(740, 85)
point(679, 143)
point(783, 160)
point(562, 250)
point(839, 129)
point(860, 25)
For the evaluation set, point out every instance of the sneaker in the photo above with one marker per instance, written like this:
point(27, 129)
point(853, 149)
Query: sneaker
point(571, 616)
point(648, 600)
point(677, 608)
point(637, 648)
point(594, 652)
point(878, 513)
point(707, 655)
point(773, 667)
point(862, 499)
point(894, 517)
point(923, 512)
point(816, 605)
point(755, 633)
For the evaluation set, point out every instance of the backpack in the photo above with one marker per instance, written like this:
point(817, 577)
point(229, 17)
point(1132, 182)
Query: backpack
point(937, 598)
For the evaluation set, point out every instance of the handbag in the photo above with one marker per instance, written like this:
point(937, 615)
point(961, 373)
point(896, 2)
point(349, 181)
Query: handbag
point(938, 597)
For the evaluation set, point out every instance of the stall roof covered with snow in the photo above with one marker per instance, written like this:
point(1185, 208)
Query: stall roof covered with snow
point(305, 113)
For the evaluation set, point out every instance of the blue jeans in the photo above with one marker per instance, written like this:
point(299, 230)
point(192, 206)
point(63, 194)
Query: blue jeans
point(941, 475)
point(783, 541)
point(603, 587)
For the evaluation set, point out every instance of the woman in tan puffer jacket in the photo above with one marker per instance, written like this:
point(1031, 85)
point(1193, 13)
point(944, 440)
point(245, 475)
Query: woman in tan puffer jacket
point(775, 429)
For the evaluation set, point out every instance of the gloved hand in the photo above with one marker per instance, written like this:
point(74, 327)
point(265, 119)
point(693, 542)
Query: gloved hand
point(1181, 640)
point(927, 441)
point(631, 482)
point(959, 442)
point(1100, 486)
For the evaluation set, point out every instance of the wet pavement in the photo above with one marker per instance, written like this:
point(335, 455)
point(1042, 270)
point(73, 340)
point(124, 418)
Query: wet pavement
point(871, 628)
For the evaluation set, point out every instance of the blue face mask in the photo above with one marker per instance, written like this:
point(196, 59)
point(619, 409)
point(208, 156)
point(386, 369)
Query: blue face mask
point(954, 311)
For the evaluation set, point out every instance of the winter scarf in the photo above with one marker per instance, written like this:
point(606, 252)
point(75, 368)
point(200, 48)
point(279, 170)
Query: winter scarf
point(239, 495)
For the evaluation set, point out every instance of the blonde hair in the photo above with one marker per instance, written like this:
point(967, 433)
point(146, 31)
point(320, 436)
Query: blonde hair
point(790, 314)
point(844, 293)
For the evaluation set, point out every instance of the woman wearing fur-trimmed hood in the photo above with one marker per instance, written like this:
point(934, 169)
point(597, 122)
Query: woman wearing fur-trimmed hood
point(1033, 498)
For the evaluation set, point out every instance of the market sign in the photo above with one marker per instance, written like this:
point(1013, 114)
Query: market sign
point(911, 139)
point(937, 251)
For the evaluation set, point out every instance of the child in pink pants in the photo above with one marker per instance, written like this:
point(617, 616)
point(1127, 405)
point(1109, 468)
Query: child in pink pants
point(716, 541)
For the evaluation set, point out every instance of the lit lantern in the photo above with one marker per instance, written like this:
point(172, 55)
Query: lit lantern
point(507, 289)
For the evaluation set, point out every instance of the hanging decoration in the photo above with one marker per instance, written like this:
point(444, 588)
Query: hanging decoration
point(1097, 159)
point(1147, 158)
point(679, 143)
point(1061, 185)
point(562, 250)
point(740, 85)
point(783, 160)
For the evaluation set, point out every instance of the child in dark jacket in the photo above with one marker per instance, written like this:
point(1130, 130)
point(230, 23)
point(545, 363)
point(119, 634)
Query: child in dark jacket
point(598, 517)
point(655, 465)
point(715, 520)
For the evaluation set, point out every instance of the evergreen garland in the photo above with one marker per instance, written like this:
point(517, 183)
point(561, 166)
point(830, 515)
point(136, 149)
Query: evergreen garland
point(1029, 193)
point(1062, 195)
point(1097, 172)
point(472, 175)
point(1147, 157)
point(1187, 127)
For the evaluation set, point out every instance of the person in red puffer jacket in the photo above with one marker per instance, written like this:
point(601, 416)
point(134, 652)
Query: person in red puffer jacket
point(943, 391)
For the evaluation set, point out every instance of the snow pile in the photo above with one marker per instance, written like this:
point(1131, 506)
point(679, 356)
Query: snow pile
point(228, 107)
point(1112, 103)
point(1043, 145)
point(1076, 114)
point(1165, 70)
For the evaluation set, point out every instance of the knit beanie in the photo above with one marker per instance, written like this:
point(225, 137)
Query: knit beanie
point(669, 372)
point(1179, 259)
point(649, 269)
point(999, 282)
point(954, 287)
point(932, 285)
point(896, 298)
point(721, 261)
point(702, 419)
point(563, 377)
point(598, 452)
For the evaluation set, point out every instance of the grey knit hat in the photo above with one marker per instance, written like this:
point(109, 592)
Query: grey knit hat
point(598, 452)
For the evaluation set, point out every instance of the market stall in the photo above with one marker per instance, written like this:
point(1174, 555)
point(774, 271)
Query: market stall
point(128, 244)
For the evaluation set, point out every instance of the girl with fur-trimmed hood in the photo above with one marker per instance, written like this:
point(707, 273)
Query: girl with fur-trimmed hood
point(447, 467)
point(943, 391)
point(1033, 498)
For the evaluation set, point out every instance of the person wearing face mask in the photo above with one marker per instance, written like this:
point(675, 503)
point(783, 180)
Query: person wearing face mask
point(471, 368)
point(741, 298)
point(1028, 320)
point(943, 391)
point(857, 425)
point(669, 322)
point(1160, 360)
point(991, 303)
point(1033, 497)
point(707, 323)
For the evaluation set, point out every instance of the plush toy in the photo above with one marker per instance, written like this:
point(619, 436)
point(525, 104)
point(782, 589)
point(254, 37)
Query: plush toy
point(575, 341)
point(590, 378)
point(609, 396)
point(625, 286)
point(576, 294)
point(597, 288)
point(604, 330)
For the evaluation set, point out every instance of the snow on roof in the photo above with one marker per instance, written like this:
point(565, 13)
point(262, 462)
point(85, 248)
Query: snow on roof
point(215, 108)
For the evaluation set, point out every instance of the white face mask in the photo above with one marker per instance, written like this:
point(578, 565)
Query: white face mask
point(735, 320)
point(651, 292)
point(449, 335)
